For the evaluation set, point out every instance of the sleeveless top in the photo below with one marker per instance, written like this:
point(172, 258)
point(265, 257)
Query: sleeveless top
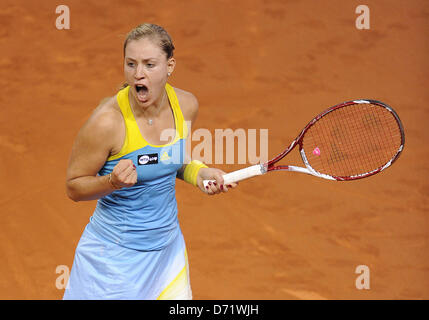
point(144, 216)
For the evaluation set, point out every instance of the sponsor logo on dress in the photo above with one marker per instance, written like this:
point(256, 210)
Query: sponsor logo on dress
point(145, 159)
point(165, 156)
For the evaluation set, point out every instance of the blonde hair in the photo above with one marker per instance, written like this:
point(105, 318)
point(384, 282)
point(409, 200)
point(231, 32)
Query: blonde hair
point(156, 33)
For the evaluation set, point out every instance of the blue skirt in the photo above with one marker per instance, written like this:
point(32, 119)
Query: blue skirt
point(105, 270)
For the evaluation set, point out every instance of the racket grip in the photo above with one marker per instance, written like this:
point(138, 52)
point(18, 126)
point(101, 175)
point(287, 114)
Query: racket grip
point(239, 175)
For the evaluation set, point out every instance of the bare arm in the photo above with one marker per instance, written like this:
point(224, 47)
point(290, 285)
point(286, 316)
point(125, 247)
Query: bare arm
point(189, 104)
point(93, 145)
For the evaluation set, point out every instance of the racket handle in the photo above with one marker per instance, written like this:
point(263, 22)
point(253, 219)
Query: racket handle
point(241, 174)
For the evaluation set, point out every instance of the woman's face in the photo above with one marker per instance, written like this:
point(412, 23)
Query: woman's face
point(146, 70)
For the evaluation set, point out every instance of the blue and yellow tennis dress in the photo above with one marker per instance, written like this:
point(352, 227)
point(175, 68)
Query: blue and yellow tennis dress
point(133, 247)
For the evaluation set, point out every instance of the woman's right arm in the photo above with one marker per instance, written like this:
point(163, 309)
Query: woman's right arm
point(93, 145)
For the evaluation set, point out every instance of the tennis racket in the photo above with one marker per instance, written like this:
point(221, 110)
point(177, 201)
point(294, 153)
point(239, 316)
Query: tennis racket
point(352, 140)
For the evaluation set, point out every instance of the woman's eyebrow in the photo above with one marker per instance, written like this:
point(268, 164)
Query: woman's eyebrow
point(145, 60)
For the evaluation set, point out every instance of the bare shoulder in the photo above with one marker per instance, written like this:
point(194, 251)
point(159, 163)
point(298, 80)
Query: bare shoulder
point(99, 137)
point(188, 103)
point(104, 130)
point(106, 117)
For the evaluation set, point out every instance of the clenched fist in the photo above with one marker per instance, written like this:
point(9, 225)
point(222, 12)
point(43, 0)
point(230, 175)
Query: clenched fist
point(124, 174)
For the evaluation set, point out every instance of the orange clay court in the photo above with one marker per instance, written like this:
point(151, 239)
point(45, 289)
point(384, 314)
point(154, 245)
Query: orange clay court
point(252, 64)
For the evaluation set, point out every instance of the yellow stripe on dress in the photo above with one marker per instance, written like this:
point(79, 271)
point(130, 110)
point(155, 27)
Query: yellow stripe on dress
point(133, 137)
point(181, 127)
point(178, 285)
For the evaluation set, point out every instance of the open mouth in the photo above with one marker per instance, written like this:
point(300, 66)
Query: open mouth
point(142, 92)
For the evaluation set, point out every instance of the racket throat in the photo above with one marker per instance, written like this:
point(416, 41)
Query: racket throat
point(311, 172)
point(299, 169)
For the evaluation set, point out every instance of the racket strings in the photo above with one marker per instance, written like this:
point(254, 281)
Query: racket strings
point(352, 140)
point(372, 142)
point(373, 151)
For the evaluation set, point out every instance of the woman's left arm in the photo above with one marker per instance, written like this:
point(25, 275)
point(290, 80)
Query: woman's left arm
point(195, 172)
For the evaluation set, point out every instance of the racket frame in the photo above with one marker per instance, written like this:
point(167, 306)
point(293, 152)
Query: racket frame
point(309, 170)
point(261, 169)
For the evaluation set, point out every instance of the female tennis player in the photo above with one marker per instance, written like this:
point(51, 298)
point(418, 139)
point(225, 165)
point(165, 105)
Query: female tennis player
point(133, 247)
